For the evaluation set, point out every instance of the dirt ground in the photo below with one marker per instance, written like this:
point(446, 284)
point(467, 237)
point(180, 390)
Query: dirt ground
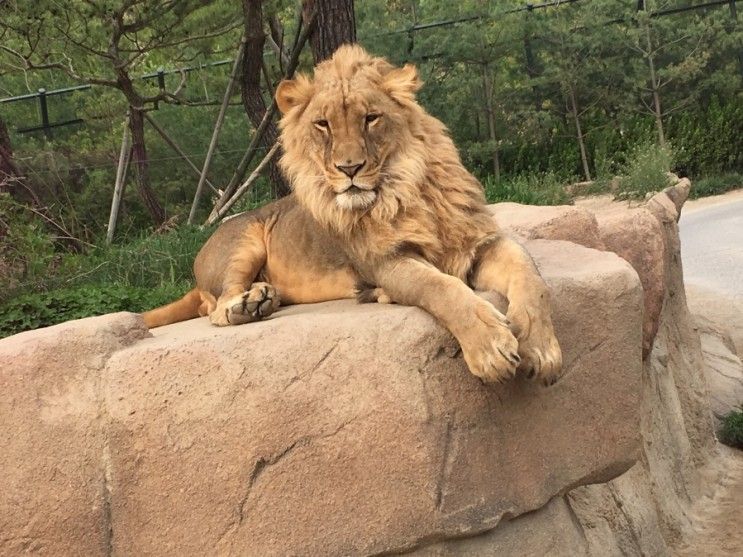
point(718, 516)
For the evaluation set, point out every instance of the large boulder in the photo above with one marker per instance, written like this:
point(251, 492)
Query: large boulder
point(332, 429)
point(339, 429)
point(54, 458)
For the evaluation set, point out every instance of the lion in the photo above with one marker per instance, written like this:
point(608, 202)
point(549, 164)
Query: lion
point(382, 210)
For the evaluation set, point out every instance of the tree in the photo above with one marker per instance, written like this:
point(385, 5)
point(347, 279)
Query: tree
point(8, 170)
point(581, 64)
point(335, 26)
point(671, 56)
point(94, 42)
point(253, 67)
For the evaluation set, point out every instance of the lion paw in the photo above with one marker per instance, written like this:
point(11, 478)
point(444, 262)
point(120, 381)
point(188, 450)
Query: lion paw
point(541, 356)
point(260, 301)
point(488, 345)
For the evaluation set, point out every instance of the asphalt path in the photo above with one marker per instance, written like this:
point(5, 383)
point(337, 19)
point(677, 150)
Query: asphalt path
point(712, 243)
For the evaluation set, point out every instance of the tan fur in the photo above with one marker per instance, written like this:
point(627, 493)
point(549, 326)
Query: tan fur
point(380, 196)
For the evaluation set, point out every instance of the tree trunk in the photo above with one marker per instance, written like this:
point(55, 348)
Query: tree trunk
point(578, 131)
point(335, 25)
point(487, 79)
point(654, 85)
point(532, 68)
point(255, 106)
point(9, 173)
point(141, 164)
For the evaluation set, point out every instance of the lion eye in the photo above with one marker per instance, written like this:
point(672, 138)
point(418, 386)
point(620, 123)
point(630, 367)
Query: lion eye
point(371, 118)
point(322, 124)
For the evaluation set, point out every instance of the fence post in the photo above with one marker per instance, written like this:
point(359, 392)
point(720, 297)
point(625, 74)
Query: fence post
point(44, 113)
point(217, 128)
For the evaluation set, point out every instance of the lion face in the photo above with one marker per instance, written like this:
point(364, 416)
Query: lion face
point(343, 131)
point(348, 141)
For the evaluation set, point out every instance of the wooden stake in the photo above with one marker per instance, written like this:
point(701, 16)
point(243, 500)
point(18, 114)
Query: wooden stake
point(215, 133)
point(303, 34)
point(245, 185)
point(124, 155)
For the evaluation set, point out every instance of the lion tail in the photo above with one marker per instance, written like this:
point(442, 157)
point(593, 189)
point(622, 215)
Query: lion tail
point(187, 307)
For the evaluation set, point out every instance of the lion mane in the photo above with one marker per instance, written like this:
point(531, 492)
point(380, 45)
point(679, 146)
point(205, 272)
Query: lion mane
point(426, 198)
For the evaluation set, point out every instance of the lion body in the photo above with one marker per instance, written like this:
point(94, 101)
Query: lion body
point(381, 198)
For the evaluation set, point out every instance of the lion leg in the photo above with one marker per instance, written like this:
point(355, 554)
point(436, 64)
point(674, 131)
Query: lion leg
point(242, 300)
point(488, 345)
point(505, 267)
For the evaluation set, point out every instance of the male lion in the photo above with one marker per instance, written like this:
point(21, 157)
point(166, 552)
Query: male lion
point(383, 210)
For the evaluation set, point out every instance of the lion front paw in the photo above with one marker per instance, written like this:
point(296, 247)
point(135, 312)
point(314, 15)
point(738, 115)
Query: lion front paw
point(260, 301)
point(488, 345)
point(541, 356)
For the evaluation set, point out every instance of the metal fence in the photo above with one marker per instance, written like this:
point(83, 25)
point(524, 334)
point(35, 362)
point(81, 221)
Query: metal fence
point(45, 124)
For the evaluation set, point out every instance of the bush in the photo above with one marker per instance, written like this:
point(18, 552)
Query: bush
point(529, 189)
point(31, 311)
point(645, 171)
point(26, 249)
point(715, 185)
point(731, 432)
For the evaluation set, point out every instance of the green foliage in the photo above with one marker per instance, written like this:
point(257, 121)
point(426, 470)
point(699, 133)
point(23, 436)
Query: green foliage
point(26, 249)
point(646, 171)
point(510, 85)
point(715, 185)
point(707, 138)
point(731, 432)
point(41, 309)
point(136, 276)
point(529, 189)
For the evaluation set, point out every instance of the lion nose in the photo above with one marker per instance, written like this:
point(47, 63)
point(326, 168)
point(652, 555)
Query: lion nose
point(350, 170)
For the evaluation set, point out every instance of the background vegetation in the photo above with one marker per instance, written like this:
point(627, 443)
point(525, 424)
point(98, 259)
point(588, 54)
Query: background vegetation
point(538, 98)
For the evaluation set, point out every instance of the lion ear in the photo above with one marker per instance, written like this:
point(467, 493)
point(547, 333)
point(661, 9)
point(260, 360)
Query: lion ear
point(402, 83)
point(293, 92)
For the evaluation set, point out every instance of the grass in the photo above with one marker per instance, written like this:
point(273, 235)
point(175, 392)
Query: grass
point(135, 276)
point(731, 432)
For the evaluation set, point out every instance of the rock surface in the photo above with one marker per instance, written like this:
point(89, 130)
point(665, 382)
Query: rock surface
point(719, 322)
point(333, 429)
point(647, 510)
point(53, 494)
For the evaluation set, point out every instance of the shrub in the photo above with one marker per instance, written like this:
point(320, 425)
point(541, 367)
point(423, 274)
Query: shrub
point(731, 432)
point(645, 171)
point(714, 185)
point(530, 189)
point(26, 249)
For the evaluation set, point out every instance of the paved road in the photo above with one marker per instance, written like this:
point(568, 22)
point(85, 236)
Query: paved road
point(712, 244)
